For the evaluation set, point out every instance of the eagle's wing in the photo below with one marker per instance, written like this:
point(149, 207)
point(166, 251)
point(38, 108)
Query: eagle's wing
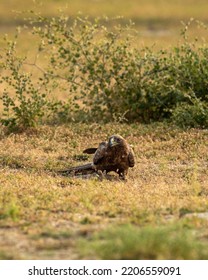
point(100, 152)
point(131, 157)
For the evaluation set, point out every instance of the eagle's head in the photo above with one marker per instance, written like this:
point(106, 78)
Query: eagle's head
point(116, 140)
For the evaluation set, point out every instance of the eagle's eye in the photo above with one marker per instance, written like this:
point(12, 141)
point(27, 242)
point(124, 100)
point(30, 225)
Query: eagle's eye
point(117, 140)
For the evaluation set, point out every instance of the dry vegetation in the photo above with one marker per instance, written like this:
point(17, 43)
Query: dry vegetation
point(43, 215)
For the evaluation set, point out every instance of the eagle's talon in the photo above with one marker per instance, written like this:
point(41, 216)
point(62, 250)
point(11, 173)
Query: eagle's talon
point(100, 175)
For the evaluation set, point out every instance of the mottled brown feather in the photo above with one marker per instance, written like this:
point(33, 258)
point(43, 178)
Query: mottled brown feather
point(114, 155)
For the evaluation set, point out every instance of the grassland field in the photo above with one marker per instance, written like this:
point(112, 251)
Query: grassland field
point(160, 212)
point(45, 215)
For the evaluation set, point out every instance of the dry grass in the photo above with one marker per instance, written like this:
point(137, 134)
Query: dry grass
point(43, 215)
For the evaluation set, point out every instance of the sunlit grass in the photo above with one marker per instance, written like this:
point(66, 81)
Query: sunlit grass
point(49, 214)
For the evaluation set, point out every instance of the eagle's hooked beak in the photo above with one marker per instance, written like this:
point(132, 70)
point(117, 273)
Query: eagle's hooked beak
point(112, 142)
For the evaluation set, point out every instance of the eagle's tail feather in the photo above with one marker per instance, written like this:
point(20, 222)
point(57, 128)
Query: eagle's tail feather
point(90, 150)
point(81, 169)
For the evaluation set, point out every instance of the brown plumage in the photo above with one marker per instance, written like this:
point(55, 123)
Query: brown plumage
point(114, 155)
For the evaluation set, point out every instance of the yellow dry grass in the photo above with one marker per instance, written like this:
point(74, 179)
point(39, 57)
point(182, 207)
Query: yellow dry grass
point(44, 215)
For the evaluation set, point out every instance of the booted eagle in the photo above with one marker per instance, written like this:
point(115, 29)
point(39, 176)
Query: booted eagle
point(113, 155)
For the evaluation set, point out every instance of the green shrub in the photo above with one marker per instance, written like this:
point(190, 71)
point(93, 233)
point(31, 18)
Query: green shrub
point(98, 64)
point(111, 78)
point(191, 115)
point(105, 76)
point(25, 106)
